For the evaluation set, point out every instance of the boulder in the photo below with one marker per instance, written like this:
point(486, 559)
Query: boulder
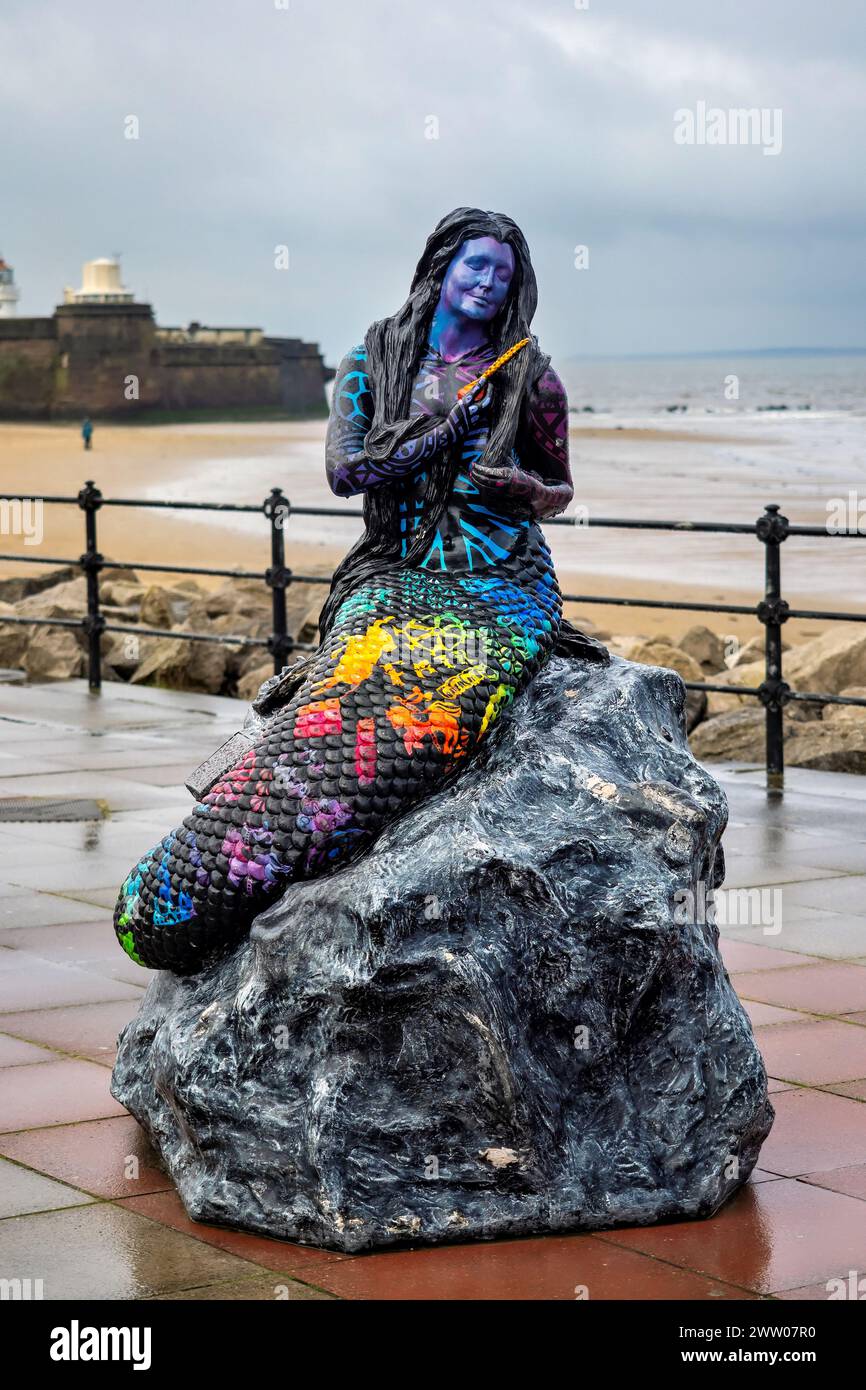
point(241, 656)
point(121, 654)
point(66, 600)
point(737, 736)
point(19, 587)
point(705, 647)
point(252, 680)
point(240, 600)
point(156, 608)
point(180, 665)
point(847, 716)
point(234, 596)
point(53, 654)
point(829, 747)
point(115, 614)
point(826, 664)
point(751, 652)
point(251, 658)
point(752, 675)
point(830, 662)
point(719, 703)
point(306, 627)
point(113, 574)
point(740, 736)
point(13, 638)
point(623, 644)
point(509, 1017)
point(657, 651)
point(173, 606)
point(120, 594)
point(48, 653)
point(191, 587)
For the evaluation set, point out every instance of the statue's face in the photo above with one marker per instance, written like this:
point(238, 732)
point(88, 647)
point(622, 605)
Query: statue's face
point(478, 279)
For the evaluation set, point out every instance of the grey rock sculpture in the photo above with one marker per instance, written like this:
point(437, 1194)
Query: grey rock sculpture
point(510, 1017)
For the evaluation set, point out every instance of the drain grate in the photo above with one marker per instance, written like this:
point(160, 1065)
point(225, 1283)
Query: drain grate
point(17, 808)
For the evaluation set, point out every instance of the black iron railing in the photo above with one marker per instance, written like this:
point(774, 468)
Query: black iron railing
point(772, 529)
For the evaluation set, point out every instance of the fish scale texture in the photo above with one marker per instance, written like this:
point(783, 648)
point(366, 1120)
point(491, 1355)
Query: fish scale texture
point(412, 676)
point(497, 1022)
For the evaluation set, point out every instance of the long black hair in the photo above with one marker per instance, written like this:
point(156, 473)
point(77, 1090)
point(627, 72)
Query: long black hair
point(395, 349)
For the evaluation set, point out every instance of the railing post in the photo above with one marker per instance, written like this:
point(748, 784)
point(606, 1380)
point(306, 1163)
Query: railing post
point(90, 500)
point(277, 509)
point(772, 529)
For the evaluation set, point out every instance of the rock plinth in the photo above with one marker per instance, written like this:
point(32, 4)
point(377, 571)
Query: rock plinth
point(509, 1017)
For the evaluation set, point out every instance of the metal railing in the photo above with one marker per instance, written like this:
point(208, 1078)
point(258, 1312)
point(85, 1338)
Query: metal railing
point(772, 529)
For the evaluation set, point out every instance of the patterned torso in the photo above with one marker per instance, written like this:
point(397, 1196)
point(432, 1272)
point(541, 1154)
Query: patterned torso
point(475, 532)
point(471, 535)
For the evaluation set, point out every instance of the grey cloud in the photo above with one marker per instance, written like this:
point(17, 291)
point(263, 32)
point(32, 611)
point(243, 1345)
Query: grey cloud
point(306, 127)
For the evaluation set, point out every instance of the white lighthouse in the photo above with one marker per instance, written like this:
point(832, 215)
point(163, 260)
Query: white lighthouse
point(100, 284)
point(9, 294)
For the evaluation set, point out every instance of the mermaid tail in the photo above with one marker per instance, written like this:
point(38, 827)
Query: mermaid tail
point(413, 674)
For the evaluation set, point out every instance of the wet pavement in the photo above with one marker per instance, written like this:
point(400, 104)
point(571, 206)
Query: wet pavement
point(84, 1205)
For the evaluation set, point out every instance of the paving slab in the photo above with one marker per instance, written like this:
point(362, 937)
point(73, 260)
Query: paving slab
point(15, 1053)
point(85, 1030)
point(815, 1053)
point(101, 1251)
point(813, 1132)
point(106, 1158)
point(55, 1093)
point(43, 909)
point(770, 1237)
point(550, 1268)
point(828, 988)
point(31, 982)
point(22, 1191)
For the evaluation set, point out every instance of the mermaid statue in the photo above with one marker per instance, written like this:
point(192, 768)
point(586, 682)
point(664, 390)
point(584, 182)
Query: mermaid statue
point(453, 425)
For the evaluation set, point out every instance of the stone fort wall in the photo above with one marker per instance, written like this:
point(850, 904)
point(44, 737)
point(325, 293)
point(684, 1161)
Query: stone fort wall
point(111, 360)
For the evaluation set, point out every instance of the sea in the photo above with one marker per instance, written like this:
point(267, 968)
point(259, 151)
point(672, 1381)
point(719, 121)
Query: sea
point(634, 389)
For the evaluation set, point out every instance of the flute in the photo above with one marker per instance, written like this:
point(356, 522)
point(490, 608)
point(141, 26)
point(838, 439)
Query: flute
point(494, 367)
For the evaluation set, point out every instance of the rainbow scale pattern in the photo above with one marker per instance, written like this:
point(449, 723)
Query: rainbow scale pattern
point(413, 675)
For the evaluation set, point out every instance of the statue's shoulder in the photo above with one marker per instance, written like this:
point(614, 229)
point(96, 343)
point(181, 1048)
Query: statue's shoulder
point(547, 385)
point(351, 376)
point(353, 360)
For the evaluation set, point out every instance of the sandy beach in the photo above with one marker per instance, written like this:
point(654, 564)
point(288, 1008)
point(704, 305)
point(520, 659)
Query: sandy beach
point(679, 470)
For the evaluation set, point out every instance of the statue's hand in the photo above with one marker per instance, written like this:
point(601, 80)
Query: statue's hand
point(499, 478)
point(507, 484)
point(443, 432)
point(467, 415)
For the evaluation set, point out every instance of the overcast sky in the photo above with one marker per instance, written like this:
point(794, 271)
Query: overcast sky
point(306, 126)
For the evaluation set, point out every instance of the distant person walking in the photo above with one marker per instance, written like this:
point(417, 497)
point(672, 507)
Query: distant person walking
point(87, 432)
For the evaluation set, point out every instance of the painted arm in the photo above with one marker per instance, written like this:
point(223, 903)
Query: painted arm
point(540, 479)
point(348, 468)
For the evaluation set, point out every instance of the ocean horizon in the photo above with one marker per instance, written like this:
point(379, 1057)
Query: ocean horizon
point(743, 382)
